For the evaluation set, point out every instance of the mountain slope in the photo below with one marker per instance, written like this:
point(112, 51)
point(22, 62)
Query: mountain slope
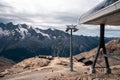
point(112, 47)
point(5, 63)
point(22, 41)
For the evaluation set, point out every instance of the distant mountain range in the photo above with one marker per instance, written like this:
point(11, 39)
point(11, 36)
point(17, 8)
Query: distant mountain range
point(21, 41)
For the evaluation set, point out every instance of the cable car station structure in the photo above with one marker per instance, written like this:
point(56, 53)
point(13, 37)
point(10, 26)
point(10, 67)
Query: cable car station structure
point(105, 13)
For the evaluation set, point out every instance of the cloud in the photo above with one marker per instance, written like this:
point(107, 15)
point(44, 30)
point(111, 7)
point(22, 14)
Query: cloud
point(43, 11)
point(94, 30)
point(4, 20)
point(4, 5)
point(53, 13)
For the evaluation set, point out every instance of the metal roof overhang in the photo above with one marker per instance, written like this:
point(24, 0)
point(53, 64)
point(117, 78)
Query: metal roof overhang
point(109, 15)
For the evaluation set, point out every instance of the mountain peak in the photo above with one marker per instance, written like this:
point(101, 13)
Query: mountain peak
point(52, 29)
point(2, 24)
point(10, 24)
point(24, 26)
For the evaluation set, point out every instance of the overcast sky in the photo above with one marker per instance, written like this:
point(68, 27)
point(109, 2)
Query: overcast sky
point(50, 13)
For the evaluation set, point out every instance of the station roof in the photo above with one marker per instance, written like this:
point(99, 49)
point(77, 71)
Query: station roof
point(107, 12)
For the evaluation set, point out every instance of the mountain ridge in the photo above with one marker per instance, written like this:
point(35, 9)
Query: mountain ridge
point(22, 41)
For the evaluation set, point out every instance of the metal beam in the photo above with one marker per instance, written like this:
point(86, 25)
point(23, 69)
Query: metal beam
point(101, 45)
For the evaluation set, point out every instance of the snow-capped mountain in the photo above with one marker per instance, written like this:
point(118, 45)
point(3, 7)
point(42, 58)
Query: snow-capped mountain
point(22, 31)
point(21, 41)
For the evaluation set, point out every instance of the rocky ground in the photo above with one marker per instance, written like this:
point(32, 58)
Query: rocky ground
point(43, 69)
point(56, 69)
point(5, 63)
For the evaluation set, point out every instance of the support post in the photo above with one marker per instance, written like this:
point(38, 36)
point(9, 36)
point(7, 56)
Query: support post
point(71, 58)
point(72, 28)
point(101, 45)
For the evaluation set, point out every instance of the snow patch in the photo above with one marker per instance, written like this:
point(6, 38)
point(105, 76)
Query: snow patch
point(4, 32)
point(22, 31)
point(44, 34)
point(28, 27)
point(52, 29)
point(54, 37)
